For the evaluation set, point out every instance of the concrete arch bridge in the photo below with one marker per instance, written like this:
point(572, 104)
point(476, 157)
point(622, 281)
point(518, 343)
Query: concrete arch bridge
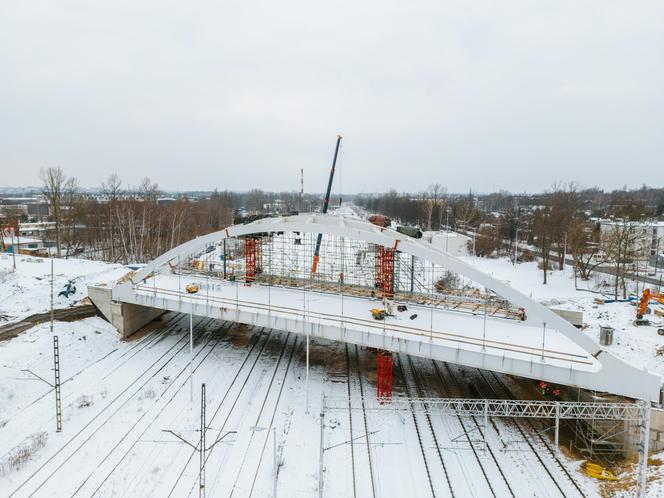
point(438, 306)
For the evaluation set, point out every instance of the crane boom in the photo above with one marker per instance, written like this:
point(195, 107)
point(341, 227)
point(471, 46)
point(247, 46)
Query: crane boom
point(326, 203)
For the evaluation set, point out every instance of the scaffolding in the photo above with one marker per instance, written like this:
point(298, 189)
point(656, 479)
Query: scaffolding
point(251, 257)
point(384, 273)
point(347, 266)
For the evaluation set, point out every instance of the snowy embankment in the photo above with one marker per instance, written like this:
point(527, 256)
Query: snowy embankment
point(27, 290)
point(636, 345)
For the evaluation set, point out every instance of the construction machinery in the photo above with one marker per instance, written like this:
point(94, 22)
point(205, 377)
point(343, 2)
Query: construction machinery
point(642, 309)
point(192, 288)
point(326, 203)
point(380, 220)
point(646, 297)
point(414, 232)
point(378, 313)
point(599, 472)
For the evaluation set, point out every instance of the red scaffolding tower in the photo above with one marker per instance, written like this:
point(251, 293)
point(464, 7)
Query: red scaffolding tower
point(384, 377)
point(385, 271)
point(250, 258)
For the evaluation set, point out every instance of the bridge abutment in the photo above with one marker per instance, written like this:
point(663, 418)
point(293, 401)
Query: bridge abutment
point(127, 318)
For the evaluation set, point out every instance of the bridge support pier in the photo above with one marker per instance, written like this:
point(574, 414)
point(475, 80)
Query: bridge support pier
point(126, 318)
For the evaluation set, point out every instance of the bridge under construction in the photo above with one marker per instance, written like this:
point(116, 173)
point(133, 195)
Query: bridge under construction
point(430, 303)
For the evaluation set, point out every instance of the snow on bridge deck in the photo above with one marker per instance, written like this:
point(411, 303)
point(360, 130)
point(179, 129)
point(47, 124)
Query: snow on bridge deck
point(508, 345)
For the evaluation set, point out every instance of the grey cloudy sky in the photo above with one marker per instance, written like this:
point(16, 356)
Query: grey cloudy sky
point(240, 94)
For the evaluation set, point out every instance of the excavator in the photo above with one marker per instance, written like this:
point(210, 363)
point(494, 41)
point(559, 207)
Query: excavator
point(643, 309)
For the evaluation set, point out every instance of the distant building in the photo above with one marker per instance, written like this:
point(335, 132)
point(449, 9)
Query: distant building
point(24, 245)
point(455, 243)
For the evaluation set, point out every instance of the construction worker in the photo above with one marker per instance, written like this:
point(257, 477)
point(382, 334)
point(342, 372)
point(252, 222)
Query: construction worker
point(542, 388)
point(389, 308)
point(522, 314)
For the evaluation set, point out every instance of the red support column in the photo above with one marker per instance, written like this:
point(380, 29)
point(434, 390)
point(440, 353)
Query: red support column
point(378, 267)
point(384, 377)
point(250, 258)
point(385, 271)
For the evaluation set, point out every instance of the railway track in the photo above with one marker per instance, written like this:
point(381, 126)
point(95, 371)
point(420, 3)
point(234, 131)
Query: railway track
point(366, 424)
point(479, 392)
point(426, 437)
point(508, 395)
point(261, 338)
point(257, 421)
point(184, 371)
point(130, 449)
point(478, 427)
point(274, 412)
point(350, 421)
point(93, 426)
point(68, 394)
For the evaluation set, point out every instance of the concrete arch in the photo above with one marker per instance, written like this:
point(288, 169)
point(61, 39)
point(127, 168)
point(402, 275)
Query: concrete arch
point(622, 374)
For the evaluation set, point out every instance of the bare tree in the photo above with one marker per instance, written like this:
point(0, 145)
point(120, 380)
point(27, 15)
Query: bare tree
point(583, 243)
point(112, 189)
point(542, 231)
point(619, 243)
point(432, 202)
point(564, 202)
point(54, 187)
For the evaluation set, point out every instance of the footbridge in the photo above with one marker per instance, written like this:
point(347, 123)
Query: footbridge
point(435, 305)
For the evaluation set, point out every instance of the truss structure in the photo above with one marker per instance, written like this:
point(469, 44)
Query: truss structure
point(499, 408)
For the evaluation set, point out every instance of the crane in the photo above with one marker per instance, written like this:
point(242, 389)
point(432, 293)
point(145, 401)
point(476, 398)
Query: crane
point(326, 202)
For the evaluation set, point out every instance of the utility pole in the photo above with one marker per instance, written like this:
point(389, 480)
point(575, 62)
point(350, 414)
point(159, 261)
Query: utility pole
point(322, 448)
point(447, 228)
point(274, 460)
point(13, 250)
point(200, 446)
point(58, 399)
point(52, 277)
point(191, 353)
point(301, 190)
point(201, 453)
point(516, 247)
point(564, 254)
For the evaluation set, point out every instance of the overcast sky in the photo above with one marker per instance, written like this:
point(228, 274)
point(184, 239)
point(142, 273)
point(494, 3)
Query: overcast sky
point(240, 94)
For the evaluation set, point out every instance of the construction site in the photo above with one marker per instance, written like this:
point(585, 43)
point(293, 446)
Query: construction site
point(322, 354)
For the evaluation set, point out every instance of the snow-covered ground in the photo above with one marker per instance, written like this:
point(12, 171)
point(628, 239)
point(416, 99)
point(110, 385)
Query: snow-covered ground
point(119, 398)
point(28, 290)
point(636, 345)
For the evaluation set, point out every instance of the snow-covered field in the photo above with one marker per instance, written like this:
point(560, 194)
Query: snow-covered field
point(119, 398)
point(636, 345)
point(28, 290)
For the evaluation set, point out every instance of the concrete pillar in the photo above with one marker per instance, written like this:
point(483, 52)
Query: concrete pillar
point(126, 318)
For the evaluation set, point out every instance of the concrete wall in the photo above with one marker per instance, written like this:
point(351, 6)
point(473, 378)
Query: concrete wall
point(126, 318)
point(456, 243)
point(573, 317)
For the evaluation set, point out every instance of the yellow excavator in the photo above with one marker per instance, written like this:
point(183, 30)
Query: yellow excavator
point(642, 309)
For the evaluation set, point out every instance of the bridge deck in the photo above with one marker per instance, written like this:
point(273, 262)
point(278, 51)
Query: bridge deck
point(463, 330)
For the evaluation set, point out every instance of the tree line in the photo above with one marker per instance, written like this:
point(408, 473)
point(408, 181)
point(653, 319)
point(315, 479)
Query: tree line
point(562, 222)
point(136, 224)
